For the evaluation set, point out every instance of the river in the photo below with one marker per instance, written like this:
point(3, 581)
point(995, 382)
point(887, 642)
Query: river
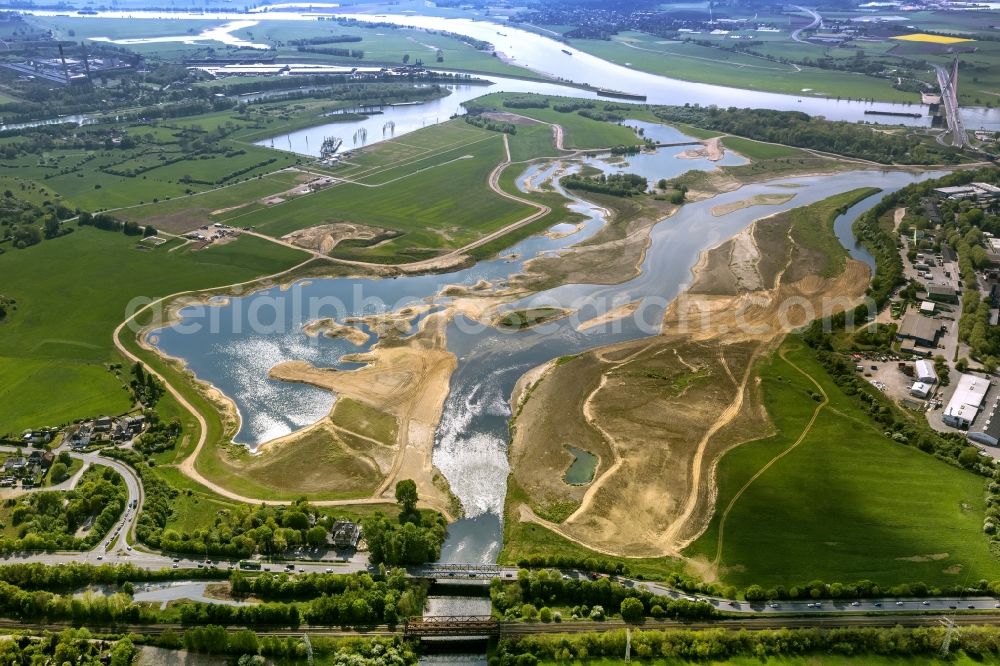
point(222, 347)
point(546, 56)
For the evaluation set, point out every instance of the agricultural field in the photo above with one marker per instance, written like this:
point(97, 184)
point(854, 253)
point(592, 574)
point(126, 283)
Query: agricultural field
point(846, 503)
point(55, 348)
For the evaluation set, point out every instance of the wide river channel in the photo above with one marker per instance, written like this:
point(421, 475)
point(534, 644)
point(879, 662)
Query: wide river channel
point(223, 345)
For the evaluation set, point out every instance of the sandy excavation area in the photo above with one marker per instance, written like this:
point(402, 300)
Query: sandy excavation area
point(659, 413)
point(711, 149)
point(408, 381)
point(325, 237)
point(331, 329)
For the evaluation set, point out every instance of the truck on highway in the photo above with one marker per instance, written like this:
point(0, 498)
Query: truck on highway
point(249, 565)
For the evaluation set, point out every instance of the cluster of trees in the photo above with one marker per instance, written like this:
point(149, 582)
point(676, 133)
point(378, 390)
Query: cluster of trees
point(49, 520)
point(25, 224)
point(794, 128)
point(866, 589)
point(159, 435)
point(526, 103)
point(146, 388)
point(535, 591)
point(718, 646)
point(71, 646)
point(617, 184)
point(572, 105)
point(414, 538)
point(326, 39)
point(7, 305)
point(357, 54)
point(491, 124)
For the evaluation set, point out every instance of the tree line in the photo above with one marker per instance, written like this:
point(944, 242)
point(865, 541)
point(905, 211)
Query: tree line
point(717, 646)
point(794, 128)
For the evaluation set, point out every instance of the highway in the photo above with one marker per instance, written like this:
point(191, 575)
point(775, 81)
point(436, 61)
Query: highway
point(949, 97)
point(815, 23)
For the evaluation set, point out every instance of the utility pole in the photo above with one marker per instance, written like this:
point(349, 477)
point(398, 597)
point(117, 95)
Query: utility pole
point(946, 643)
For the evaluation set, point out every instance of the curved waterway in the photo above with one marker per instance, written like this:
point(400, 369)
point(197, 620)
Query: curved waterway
point(547, 56)
point(233, 342)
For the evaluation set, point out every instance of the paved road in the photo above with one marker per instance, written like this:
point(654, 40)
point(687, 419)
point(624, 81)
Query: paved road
point(815, 23)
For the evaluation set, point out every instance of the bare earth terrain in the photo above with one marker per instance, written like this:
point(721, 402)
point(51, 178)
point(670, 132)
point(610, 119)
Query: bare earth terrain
point(659, 413)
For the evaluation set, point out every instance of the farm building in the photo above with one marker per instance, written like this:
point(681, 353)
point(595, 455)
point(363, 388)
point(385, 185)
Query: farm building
point(925, 372)
point(921, 330)
point(942, 293)
point(966, 402)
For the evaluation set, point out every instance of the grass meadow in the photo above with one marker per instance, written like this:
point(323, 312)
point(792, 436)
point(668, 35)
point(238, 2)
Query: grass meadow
point(846, 504)
point(72, 291)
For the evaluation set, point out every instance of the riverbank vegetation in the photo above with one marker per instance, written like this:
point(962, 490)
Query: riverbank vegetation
point(793, 128)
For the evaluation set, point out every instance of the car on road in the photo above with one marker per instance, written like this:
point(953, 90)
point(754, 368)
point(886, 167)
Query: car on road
point(952, 606)
point(177, 559)
point(972, 605)
point(855, 603)
point(329, 570)
point(899, 603)
point(175, 565)
point(100, 557)
point(925, 602)
point(775, 606)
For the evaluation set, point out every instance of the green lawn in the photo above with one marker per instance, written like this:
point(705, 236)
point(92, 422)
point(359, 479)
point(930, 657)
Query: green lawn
point(72, 291)
point(532, 141)
point(847, 503)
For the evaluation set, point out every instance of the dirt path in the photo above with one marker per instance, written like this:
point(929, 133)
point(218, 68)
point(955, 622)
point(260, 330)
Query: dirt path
point(772, 461)
point(669, 536)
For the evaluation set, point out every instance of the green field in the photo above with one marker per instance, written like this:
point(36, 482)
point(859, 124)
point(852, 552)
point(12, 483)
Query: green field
point(434, 198)
point(847, 503)
point(55, 347)
point(578, 132)
point(704, 64)
point(757, 150)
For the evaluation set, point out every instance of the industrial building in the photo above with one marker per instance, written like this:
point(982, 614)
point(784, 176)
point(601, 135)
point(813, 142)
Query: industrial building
point(942, 293)
point(925, 372)
point(923, 331)
point(987, 431)
point(921, 390)
point(966, 402)
point(980, 192)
